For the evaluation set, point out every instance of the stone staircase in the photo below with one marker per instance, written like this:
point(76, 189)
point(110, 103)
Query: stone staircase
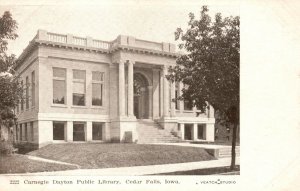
point(149, 131)
point(226, 152)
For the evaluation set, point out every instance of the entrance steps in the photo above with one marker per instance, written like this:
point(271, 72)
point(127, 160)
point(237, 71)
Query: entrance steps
point(149, 131)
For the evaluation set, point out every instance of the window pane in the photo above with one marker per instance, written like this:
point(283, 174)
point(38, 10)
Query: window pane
point(78, 87)
point(27, 92)
point(97, 94)
point(59, 91)
point(22, 100)
point(97, 76)
point(32, 131)
point(21, 132)
point(26, 134)
point(33, 88)
point(188, 105)
point(79, 74)
point(58, 131)
point(78, 132)
point(59, 72)
point(97, 131)
point(78, 99)
point(201, 131)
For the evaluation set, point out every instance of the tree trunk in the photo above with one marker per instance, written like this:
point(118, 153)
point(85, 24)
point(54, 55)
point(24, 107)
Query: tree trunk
point(233, 146)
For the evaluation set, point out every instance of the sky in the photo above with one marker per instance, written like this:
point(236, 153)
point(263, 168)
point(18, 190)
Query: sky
point(104, 20)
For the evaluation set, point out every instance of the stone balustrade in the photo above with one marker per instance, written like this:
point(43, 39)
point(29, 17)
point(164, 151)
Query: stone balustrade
point(124, 41)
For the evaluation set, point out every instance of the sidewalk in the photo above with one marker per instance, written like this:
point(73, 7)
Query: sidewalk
point(206, 146)
point(143, 170)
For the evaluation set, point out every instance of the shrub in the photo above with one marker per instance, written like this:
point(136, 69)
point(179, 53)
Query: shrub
point(6, 148)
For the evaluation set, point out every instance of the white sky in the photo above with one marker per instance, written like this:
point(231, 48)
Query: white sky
point(105, 20)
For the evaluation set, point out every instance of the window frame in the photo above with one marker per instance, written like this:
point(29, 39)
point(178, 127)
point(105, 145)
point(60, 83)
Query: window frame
point(64, 79)
point(64, 130)
point(27, 92)
point(33, 89)
point(83, 81)
point(101, 82)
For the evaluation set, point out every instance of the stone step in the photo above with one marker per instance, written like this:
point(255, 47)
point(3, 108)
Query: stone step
point(150, 132)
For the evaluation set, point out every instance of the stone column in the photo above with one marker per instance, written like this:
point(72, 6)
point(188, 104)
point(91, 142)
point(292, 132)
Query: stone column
point(130, 88)
point(195, 131)
point(150, 93)
point(89, 131)
point(166, 92)
point(173, 114)
point(161, 93)
point(211, 112)
point(182, 130)
point(121, 89)
point(69, 133)
point(181, 104)
point(210, 132)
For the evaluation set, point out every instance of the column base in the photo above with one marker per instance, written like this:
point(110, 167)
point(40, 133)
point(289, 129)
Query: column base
point(123, 129)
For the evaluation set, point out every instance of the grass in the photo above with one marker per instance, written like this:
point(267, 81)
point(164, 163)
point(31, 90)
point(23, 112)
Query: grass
point(95, 155)
point(208, 171)
point(21, 164)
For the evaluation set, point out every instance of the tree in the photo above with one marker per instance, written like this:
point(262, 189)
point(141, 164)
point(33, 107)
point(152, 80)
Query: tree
point(11, 90)
point(210, 69)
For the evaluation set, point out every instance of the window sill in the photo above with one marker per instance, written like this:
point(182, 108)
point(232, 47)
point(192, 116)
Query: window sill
point(59, 105)
point(97, 107)
point(78, 106)
point(188, 111)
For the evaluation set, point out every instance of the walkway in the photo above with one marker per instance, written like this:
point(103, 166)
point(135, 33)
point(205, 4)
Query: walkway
point(206, 146)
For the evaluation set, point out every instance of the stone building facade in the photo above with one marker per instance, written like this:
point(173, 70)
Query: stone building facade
point(83, 89)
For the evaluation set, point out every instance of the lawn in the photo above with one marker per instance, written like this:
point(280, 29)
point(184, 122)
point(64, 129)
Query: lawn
point(93, 155)
point(21, 164)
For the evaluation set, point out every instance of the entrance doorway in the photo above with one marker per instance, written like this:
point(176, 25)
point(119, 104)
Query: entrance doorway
point(141, 96)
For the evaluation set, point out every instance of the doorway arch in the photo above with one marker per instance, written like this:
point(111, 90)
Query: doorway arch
point(141, 96)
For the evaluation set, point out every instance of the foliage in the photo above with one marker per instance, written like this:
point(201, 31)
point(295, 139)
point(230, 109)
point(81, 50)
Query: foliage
point(11, 90)
point(6, 148)
point(210, 68)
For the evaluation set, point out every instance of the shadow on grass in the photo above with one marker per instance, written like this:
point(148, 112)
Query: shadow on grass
point(208, 171)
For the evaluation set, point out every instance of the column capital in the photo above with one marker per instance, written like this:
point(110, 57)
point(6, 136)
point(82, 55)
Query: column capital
point(130, 61)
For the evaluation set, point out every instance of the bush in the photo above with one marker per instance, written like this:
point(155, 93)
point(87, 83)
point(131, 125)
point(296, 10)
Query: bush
point(6, 148)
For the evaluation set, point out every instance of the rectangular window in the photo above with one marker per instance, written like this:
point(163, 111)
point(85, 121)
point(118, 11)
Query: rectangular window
point(22, 99)
point(79, 87)
point(201, 131)
point(188, 105)
point(97, 131)
point(59, 86)
point(78, 132)
point(97, 88)
point(32, 131)
point(27, 92)
point(17, 107)
point(188, 131)
point(58, 131)
point(33, 89)
point(26, 133)
point(17, 132)
point(176, 102)
point(21, 132)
